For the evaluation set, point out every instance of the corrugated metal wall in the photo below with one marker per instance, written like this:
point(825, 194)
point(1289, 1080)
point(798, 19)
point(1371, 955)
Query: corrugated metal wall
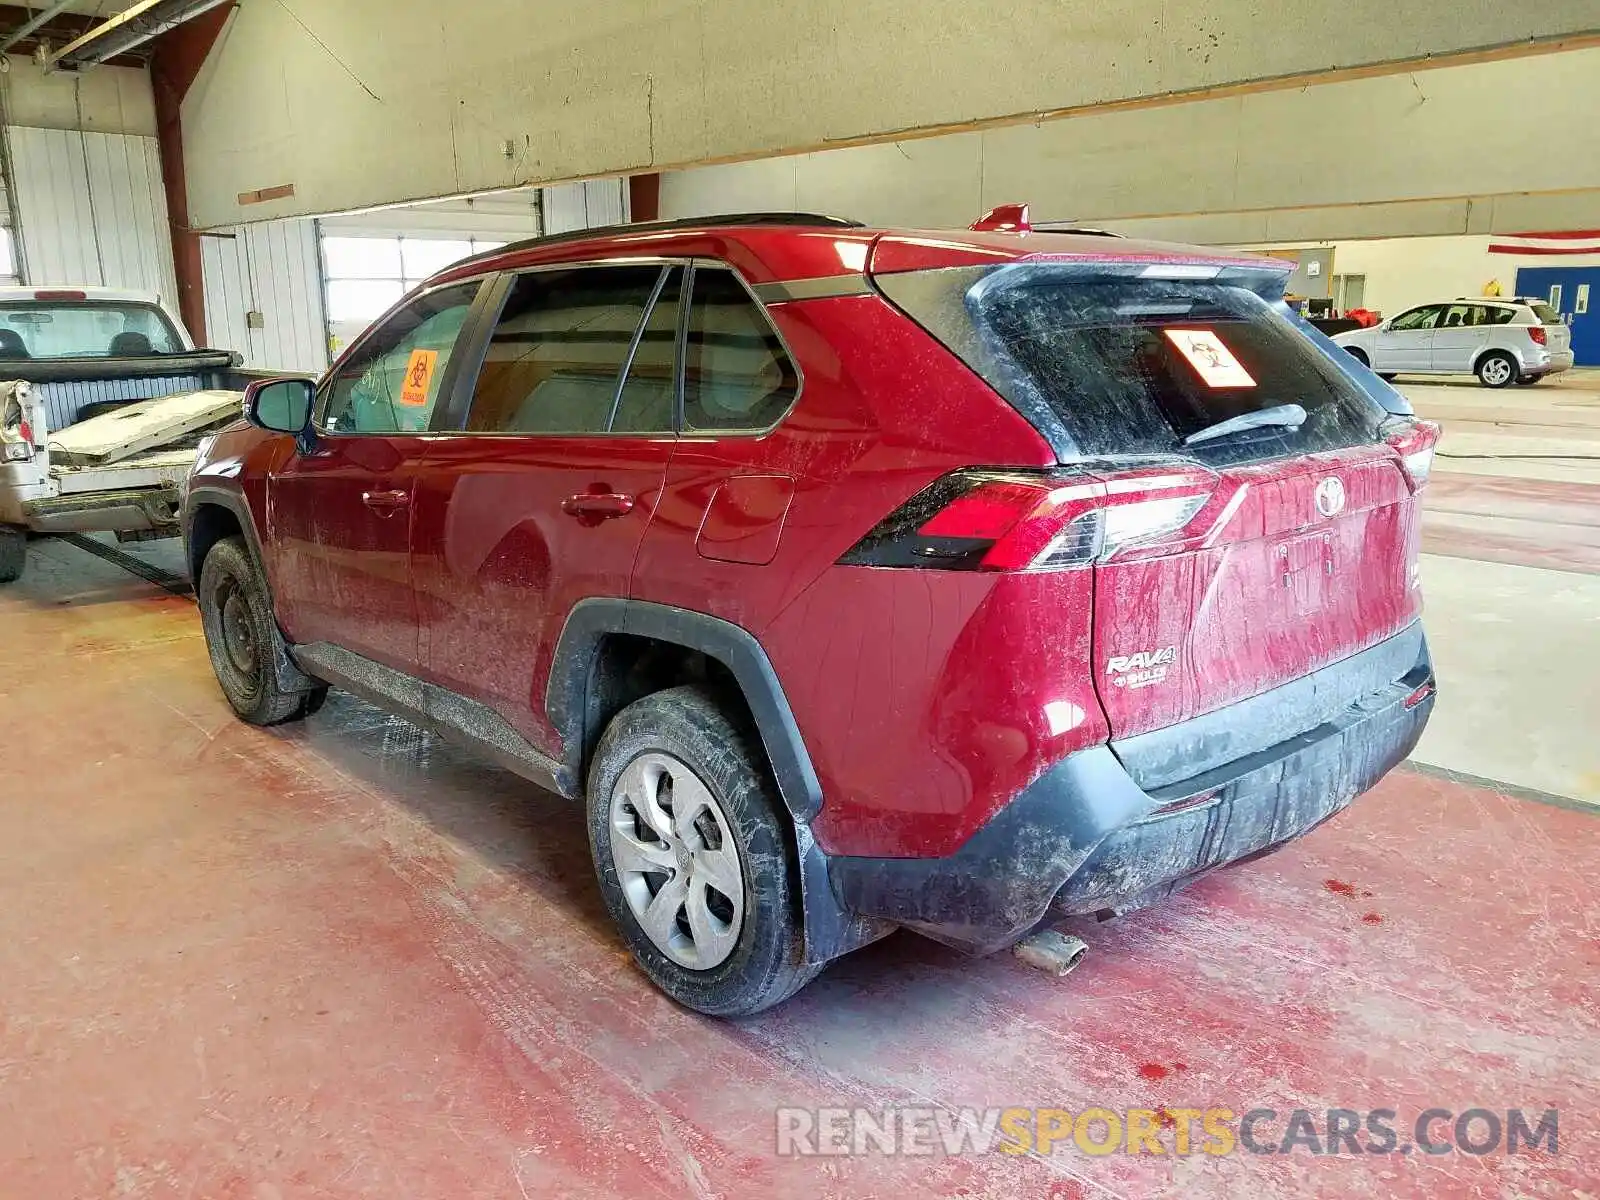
point(585, 205)
point(274, 270)
point(92, 209)
point(63, 401)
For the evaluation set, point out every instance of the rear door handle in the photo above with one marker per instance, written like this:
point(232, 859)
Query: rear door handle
point(385, 503)
point(597, 505)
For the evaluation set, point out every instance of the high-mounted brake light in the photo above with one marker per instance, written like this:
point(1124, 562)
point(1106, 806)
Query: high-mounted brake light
point(1536, 332)
point(977, 520)
point(1414, 441)
point(1005, 218)
point(47, 296)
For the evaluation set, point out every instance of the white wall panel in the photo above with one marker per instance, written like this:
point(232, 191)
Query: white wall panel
point(585, 205)
point(1444, 151)
point(92, 209)
point(365, 102)
point(272, 269)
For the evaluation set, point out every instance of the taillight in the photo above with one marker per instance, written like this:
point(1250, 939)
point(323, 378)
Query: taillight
point(977, 520)
point(1414, 441)
point(1536, 332)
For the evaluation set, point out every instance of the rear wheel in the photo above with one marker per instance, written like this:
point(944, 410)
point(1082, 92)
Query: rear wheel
point(687, 833)
point(1497, 370)
point(246, 647)
point(13, 554)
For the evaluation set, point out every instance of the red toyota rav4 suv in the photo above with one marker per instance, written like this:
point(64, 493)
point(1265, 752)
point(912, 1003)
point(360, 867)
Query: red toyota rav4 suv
point(854, 578)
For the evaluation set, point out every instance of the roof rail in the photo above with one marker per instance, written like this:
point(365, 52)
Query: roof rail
point(726, 219)
point(1065, 227)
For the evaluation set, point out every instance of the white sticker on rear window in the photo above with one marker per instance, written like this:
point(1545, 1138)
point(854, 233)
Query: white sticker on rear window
point(1210, 357)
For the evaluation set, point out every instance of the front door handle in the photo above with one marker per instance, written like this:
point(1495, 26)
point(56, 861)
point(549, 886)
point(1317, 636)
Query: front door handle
point(597, 505)
point(385, 503)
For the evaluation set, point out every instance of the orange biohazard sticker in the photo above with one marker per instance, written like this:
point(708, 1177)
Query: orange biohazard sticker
point(1210, 357)
point(419, 375)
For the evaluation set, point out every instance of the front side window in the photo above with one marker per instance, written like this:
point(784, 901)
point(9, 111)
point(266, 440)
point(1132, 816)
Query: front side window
point(556, 358)
point(1417, 318)
point(392, 382)
point(84, 329)
point(737, 375)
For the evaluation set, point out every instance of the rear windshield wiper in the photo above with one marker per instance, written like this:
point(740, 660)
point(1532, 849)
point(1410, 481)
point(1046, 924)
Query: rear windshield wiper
point(1289, 416)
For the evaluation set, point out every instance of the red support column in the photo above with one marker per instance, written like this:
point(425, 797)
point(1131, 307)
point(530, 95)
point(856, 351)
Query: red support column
point(177, 59)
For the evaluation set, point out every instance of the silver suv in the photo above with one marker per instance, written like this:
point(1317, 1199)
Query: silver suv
point(1500, 341)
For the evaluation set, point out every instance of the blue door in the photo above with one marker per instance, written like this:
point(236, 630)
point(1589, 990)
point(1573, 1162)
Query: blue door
point(1574, 292)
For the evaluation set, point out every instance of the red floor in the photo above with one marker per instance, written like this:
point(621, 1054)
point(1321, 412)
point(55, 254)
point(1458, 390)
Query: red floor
point(1525, 522)
point(347, 961)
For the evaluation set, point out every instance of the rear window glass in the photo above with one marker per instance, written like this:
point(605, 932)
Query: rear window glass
point(1138, 366)
point(85, 329)
point(1546, 314)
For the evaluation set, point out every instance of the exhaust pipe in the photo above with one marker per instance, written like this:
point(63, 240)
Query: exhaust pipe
point(1051, 951)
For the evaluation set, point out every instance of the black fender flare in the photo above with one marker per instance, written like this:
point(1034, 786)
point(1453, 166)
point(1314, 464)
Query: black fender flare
point(290, 677)
point(202, 494)
point(733, 646)
point(830, 929)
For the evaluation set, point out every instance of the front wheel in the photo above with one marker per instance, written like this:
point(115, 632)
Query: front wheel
point(1497, 370)
point(1359, 355)
point(13, 554)
point(243, 639)
point(689, 844)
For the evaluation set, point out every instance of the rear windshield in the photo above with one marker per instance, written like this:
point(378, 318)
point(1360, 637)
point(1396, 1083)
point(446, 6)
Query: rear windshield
point(1546, 314)
point(84, 329)
point(1130, 365)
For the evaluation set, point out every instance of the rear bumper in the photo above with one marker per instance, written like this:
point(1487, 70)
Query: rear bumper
point(1552, 364)
point(1085, 836)
point(135, 509)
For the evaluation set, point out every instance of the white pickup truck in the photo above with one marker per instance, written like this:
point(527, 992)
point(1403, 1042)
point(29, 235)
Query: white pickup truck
point(103, 398)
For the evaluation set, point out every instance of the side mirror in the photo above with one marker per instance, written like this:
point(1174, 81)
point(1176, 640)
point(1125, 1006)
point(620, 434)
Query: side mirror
point(281, 405)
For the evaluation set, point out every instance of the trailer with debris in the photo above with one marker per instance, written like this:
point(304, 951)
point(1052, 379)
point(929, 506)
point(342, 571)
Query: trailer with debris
point(103, 400)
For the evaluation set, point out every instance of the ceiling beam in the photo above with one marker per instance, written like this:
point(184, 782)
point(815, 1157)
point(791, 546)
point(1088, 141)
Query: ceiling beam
point(130, 30)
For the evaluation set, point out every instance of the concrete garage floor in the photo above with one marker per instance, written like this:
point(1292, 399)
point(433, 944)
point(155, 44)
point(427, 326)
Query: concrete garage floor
point(346, 960)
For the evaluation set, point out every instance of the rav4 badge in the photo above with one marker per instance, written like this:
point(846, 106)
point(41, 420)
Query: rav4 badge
point(1142, 669)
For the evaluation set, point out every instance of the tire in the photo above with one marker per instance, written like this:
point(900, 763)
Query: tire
point(1359, 355)
point(13, 554)
point(247, 651)
point(746, 952)
point(1496, 370)
point(1528, 380)
point(1387, 376)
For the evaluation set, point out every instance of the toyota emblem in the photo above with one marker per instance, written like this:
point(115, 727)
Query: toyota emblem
point(1330, 496)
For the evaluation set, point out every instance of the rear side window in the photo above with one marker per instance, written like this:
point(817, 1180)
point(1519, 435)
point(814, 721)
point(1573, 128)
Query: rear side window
point(559, 349)
point(1497, 315)
point(737, 375)
point(1133, 365)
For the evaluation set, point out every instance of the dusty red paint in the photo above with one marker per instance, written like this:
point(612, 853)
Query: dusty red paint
point(883, 413)
point(1372, 918)
point(1153, 1071)
point(1338, 887)
point(345, 960)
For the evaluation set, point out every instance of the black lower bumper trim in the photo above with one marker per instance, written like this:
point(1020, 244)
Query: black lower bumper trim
point(1084, 837)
